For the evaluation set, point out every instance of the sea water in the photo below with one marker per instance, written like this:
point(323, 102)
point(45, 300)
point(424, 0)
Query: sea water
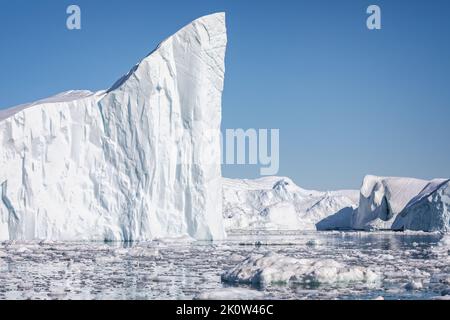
point(410, 265)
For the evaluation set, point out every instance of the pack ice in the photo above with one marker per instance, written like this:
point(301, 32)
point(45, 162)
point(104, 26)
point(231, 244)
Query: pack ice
point(137, 161)
point(277, 203)
point(403, 204)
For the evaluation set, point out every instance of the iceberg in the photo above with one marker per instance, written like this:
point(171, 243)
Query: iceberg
point(382, 199)
point(428, 211)
point(138, 161)
point(277, 203)
point(383, 203)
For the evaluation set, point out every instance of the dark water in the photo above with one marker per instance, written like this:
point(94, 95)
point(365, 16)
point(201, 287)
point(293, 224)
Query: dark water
point(411, 266)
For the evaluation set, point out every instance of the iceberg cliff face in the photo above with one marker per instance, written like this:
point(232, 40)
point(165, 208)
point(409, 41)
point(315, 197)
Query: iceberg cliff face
point(428, 211)
point(138, 161)
point(382, 199)
point(277, 203)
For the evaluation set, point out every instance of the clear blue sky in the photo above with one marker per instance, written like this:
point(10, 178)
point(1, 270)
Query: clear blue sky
point(348, 101)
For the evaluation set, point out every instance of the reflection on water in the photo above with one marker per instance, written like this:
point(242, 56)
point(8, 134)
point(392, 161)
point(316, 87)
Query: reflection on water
point(181, 269)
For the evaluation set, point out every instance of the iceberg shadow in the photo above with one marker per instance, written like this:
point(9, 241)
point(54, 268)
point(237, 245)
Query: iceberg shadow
point(341, 220)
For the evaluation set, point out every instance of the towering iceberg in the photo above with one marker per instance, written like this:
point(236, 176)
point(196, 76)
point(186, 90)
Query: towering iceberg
point(382, 199)
point(137, 161)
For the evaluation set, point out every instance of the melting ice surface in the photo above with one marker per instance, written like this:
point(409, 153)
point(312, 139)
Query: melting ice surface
point(410, 266)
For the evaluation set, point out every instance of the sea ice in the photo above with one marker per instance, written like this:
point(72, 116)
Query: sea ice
point(274, 268)
point(231, 294)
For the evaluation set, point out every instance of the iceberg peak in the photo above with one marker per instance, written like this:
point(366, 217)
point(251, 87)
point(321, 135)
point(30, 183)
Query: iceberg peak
point(213, 24)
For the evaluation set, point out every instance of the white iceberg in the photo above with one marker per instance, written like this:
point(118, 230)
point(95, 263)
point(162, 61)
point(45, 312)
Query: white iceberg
point(428, 211)
point(137, 161)
point(272, 268)
point(277, 203)
point(382, 199)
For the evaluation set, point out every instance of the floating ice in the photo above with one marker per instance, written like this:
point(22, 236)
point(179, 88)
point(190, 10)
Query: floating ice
point(402, 203)
point(385, 203)
point(231, 294)
point(137, 161)
point(154, 270)
point(428, 211)
point(414, 285)
point(274, 268)
point(276, 203)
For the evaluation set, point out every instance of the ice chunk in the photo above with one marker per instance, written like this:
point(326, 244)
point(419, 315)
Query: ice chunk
point(274, 268)
point(441, 298)
point(414, 285)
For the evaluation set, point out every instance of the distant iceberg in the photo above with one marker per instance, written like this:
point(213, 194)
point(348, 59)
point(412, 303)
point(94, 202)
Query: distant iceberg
point(388, 203)
point(277, 203)
point(428, 211)
point(383, 203)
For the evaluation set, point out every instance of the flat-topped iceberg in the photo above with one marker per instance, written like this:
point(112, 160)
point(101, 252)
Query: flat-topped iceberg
point(137, 161)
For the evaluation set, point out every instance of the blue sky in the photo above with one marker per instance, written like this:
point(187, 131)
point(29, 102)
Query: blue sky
point(348, 101)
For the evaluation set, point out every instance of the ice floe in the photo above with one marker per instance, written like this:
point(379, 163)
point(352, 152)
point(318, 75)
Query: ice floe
point(274, 268)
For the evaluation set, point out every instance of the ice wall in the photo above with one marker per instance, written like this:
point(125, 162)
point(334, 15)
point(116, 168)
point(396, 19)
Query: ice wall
point(138, 161)
point(428, 211)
